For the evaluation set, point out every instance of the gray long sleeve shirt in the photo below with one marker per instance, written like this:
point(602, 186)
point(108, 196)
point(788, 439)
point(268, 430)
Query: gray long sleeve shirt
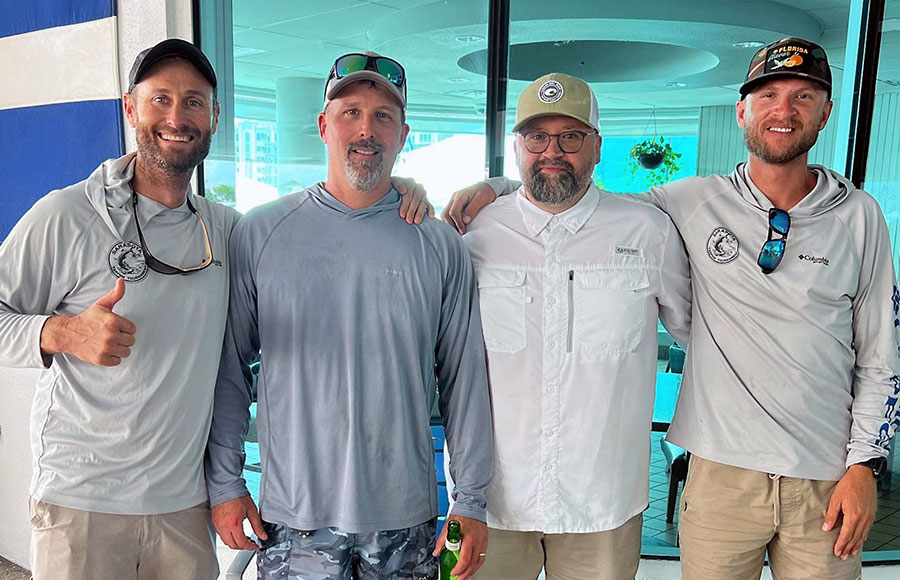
point(358, 316)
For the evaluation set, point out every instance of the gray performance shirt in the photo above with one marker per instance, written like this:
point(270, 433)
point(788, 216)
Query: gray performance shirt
point(359, 317)
point(127, 439)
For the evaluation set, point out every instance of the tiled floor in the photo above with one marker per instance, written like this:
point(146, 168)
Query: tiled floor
point(885, 533)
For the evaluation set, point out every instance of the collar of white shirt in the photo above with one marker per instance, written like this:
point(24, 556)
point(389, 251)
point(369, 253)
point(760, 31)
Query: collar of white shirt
point(572, 219)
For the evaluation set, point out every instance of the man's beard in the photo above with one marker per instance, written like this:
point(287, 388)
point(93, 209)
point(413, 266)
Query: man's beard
point(364, 174)
point(756, 144)
point(173, 162)
point(557, 188)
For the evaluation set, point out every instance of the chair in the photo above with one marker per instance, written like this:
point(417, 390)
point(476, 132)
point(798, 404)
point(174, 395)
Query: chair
point(676, 468)
point(676, 359)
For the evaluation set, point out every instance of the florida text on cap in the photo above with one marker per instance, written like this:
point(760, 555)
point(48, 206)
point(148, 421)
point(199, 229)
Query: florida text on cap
point(788, 57)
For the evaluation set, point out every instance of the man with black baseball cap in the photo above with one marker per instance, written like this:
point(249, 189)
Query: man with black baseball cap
point(122, 409)
point(789, 398)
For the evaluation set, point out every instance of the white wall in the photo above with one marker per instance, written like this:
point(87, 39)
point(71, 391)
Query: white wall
point(17, 387)
point(141, 23)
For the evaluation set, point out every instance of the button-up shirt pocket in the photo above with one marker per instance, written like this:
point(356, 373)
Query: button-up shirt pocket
point(610, 310)
point(501, 295)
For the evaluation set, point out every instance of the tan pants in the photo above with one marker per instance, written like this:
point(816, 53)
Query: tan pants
point(730, 517)
point(612, 555)
point(69, 544)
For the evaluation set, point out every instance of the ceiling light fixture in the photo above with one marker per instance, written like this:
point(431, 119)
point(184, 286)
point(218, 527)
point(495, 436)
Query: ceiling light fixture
point(676, 84)
point(469, 93)
point(748, 44)
point(469, 38)
point(457, 80)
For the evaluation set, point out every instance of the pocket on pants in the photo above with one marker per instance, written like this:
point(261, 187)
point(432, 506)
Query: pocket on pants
point(40, 514)
point(501, 295)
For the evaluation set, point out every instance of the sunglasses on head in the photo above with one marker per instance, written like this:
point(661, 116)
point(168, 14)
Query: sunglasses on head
point(387, 67)
point(772, 251)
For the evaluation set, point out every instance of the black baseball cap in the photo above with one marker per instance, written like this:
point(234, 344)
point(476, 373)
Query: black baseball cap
point(788, 57)
point(173, 47)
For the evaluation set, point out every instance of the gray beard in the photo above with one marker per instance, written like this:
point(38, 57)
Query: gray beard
point(364, 175)
point(556, 190)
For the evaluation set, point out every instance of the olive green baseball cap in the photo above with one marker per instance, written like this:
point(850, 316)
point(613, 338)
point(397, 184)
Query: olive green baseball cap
point(557, 94)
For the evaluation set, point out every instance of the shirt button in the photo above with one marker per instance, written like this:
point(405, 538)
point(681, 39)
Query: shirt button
point(550, 389)
point(552, 301)
point(550, 433)
point(551, 344)
point(548, 467)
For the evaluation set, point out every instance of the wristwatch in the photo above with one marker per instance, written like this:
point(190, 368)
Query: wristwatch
point(878, 465)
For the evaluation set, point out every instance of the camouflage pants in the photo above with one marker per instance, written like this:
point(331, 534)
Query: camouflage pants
point(332, 554)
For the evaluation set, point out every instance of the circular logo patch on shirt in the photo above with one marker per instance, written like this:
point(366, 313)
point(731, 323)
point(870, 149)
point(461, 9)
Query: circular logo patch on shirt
point(722, 246)
point(126, 261)
point(550, 92)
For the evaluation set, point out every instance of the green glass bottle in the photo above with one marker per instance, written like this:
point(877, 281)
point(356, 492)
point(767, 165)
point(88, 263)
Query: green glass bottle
point(450, 554)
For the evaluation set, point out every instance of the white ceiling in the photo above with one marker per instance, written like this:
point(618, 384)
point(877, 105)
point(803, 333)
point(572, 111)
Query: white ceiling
point(689, 42)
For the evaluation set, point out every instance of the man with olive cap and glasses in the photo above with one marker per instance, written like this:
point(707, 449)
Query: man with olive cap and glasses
point(122, 408)
point(572, 280)
point(360, 318)
point(790, 392)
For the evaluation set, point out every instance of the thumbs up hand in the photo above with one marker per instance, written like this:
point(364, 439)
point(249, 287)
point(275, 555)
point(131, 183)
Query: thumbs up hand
point(97, 335)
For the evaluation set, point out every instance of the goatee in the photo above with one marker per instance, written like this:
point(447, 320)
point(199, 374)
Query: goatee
point(364, 174)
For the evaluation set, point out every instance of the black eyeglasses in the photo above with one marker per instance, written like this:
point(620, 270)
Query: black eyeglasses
point(158, 265)
point(568, 141)
point(387, 67)
point(773, 250)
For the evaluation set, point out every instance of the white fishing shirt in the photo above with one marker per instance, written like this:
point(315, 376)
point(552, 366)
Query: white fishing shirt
point(570, 306)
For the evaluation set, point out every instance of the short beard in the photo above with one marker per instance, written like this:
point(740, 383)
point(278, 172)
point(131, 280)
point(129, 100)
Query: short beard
point(757, 147)
point(559, 189)
point(364, 175)
point(172, 164)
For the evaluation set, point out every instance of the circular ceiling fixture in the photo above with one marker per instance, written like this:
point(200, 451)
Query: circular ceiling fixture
point(748, 44)
point(598, 61)
point(469, 38)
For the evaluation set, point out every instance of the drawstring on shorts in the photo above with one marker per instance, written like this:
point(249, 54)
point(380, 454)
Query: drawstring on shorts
point(777, 503)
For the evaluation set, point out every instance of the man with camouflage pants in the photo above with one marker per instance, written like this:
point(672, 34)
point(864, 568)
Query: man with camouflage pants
point(358, 327)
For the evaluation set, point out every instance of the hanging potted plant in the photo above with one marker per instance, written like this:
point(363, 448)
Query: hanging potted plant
point(658, 157)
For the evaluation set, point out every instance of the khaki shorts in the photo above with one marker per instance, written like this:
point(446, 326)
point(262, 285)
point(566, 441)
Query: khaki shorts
point(731, 517)
point(610, 555)
point(70, 544)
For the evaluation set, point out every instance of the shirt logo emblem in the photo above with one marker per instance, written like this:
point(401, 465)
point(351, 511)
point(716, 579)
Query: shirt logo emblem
point(126, 261)
point(813, 259)
point(722, 246)
point(626, 251)
point(550, 92)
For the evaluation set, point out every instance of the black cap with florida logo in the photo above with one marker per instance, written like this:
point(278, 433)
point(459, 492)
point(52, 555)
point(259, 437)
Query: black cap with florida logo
point(788, 57)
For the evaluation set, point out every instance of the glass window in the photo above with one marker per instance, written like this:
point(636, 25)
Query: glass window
point(660, 71)
point(882, 180)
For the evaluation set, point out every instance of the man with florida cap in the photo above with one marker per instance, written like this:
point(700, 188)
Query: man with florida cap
point(360, 317)
point(123, 406)
point(789, 399)
point(572, 280)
